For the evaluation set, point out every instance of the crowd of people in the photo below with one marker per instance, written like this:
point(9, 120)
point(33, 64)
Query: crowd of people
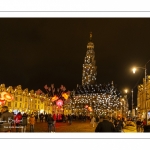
point(20, 121)
point(108, 124)
point(9, 121)
point(140, 125)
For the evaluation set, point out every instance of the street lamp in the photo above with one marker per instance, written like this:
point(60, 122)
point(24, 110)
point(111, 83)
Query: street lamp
point(134, 70)
point(132, 103)
point(126, 91)
point(126, 104)
point(123, 107)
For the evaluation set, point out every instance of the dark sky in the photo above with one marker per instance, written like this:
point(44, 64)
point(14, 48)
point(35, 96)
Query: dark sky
point(39, 51)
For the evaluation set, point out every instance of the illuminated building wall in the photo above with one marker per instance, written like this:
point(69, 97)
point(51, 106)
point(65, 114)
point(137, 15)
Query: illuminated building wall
point(27, 101)
point(143, 99)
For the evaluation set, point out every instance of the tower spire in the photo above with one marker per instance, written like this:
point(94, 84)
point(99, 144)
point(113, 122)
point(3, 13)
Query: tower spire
point(90, 36)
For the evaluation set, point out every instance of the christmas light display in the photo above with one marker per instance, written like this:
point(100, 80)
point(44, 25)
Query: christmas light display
point(101, 99)
point(89, 68)
point(59, 94)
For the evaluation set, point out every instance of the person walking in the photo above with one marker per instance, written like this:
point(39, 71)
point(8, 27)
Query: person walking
point(54, 123)
point(6, 119)
point(41, 117)
point(50, 122)
point(93, 120)
point(36, 118)
point(24, 122)
point(32, 122)
point(138, 125)
point(105, 126)
point(69, 119)
point(18, 121)
point(118, 125)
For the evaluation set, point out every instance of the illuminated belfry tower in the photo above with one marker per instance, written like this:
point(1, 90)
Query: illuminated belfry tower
point(89, 68)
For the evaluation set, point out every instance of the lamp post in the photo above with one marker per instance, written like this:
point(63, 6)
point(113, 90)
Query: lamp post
point(134, 70)
point(122, 107)
point(126, 100)
point(132, 104)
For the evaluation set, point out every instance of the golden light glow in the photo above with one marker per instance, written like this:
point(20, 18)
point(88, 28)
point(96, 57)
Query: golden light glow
point(65, 95)
point(126, 91)
point(134, 70)
point(6, 96)
point(54, 98)
point(89, 108)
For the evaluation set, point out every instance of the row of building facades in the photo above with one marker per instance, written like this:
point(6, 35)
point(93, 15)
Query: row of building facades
point(25, 101)
point(143, 99)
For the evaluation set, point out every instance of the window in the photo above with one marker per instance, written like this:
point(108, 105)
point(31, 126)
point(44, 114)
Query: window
point(15, 104)
point(9, 104)
point(35, 106)
point(20, 104)
point(25, 100)
point(38, 107)
point(20, 99)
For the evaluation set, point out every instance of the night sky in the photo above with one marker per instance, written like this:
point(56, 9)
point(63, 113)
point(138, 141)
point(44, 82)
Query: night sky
point(39, 51)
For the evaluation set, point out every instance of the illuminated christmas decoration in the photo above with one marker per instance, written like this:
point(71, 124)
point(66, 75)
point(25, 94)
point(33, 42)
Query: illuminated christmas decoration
point(65, 95)
point(54, 98)
point(6, 96)
point(86, 106)
point(60, 93)
point(89, 69)
point(102, 98)
point(59, 97)
point(2, 102)
point(59, 103)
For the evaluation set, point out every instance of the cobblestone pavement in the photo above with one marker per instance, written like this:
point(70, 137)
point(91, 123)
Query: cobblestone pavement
point(76, 126)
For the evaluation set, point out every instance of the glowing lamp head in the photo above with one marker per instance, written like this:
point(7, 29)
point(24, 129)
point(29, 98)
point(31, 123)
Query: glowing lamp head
point(134, 70)
point(126, 91)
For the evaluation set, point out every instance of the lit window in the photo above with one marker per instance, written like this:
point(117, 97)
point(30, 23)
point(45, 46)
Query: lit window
point(9, 104)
